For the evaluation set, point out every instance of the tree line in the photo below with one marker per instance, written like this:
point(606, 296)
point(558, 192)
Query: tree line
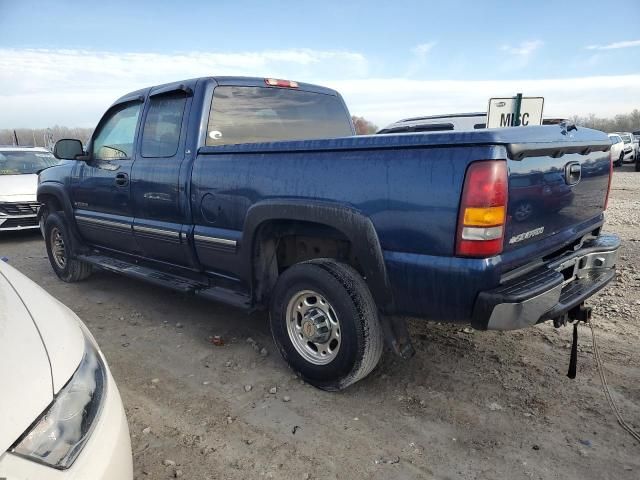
point(47, 137)
point(624, 122)
point(43, 137)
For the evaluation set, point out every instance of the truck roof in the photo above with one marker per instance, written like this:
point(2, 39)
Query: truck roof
point(227, 80)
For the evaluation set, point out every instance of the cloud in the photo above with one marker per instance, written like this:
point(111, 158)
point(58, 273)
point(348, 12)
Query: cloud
point(615, 45)
point(386, 100)
point(422, 50)
point(524, 49)
point(419, 61)
point(41, 88)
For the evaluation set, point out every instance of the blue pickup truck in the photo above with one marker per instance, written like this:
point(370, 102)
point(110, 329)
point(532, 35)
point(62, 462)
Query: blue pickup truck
point(257, 193)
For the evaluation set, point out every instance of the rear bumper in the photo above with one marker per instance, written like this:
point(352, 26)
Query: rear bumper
point(549, 291)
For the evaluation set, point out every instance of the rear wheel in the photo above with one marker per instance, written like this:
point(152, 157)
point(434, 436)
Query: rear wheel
point(58, 244)
point(325, 323)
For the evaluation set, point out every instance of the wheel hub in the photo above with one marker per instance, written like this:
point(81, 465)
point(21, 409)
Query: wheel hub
point(57, 248)
point(315, 326)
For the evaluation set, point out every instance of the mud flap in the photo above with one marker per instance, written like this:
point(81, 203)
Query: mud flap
point(397, 337)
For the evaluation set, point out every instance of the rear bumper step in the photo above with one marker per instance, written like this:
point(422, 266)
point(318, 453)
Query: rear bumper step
point(551, 291)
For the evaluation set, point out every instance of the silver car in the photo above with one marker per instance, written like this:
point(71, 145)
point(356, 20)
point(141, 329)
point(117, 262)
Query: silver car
point(629, 146)
point(19, 167)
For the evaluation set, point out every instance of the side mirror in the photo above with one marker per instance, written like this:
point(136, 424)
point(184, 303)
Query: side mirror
point(68, 149)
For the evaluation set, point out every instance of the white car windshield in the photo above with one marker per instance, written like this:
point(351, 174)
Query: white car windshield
point(20, 162)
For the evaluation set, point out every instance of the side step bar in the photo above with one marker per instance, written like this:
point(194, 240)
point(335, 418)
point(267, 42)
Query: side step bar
point(168, 280)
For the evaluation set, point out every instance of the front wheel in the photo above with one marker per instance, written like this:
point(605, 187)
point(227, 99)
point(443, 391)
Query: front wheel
point(58, 242)
point(325, 323)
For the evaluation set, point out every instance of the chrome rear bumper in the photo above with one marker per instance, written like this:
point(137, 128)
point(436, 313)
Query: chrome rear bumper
point(550, 291)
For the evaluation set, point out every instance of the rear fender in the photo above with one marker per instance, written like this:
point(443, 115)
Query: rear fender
point(352, 224)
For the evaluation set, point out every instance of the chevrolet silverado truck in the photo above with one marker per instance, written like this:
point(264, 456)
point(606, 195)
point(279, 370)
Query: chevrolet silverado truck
point(257, 193)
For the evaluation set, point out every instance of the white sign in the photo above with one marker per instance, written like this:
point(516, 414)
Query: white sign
point(502, 112)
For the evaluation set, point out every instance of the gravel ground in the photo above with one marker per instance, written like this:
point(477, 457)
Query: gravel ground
point(471, 405)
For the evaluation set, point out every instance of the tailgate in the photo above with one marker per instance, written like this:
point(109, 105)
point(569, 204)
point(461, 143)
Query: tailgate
point(552, 192)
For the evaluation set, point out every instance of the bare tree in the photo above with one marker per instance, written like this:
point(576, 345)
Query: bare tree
point(43, 137)
point(627, 122)
point(363, 126)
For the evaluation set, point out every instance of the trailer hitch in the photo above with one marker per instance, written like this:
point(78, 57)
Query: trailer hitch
point(579, 314)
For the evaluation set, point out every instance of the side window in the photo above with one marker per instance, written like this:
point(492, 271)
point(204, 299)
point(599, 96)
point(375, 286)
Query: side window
point(115, 139)
point(162, 126)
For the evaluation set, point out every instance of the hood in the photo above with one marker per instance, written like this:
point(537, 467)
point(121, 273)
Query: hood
point(18, 188)
point(41, 346)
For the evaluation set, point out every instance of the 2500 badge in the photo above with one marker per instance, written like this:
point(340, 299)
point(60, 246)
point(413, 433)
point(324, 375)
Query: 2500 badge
point(526, 235)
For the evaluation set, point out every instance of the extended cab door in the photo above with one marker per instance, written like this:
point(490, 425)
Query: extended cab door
point(160, 177)
point(100, 187)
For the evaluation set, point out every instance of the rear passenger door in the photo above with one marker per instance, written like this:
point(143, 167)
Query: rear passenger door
point(159, 177)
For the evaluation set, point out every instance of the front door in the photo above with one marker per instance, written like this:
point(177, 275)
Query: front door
point(101, 186)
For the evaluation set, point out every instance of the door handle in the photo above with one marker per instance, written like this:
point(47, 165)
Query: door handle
point(573, 173)
point(122, 179)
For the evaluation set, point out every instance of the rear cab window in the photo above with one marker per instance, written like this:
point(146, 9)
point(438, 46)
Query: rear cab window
point(246, 114)
point(162, 125)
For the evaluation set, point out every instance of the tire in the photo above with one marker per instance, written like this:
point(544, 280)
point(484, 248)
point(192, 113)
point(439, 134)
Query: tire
point(620, 160)
point(344, 305)
point(58, 242)
point(637, 167)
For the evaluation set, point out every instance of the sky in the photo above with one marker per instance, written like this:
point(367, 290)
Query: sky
point(65, 62)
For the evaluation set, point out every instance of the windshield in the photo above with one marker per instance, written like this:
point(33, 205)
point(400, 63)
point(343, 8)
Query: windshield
point(18, 162)
point(626, 138)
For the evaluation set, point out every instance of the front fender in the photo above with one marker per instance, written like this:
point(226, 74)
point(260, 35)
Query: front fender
point(47, 190)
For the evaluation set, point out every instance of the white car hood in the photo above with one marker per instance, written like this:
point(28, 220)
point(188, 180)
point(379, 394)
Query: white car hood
point(18, 188)
point(41, 345)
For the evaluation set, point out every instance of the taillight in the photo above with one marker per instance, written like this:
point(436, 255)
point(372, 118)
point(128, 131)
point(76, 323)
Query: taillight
point(606, 199)
point(275, 82)
point(483, 209)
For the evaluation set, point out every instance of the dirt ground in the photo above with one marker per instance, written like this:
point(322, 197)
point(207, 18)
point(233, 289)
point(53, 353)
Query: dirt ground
point(470, 405)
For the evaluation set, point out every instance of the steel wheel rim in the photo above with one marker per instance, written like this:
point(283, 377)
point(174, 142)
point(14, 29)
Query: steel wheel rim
point(313, 327)
point(57, 248)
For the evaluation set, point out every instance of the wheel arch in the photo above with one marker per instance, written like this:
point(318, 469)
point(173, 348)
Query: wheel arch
point(55, 192)
point(348, 222)
point(48, 192)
